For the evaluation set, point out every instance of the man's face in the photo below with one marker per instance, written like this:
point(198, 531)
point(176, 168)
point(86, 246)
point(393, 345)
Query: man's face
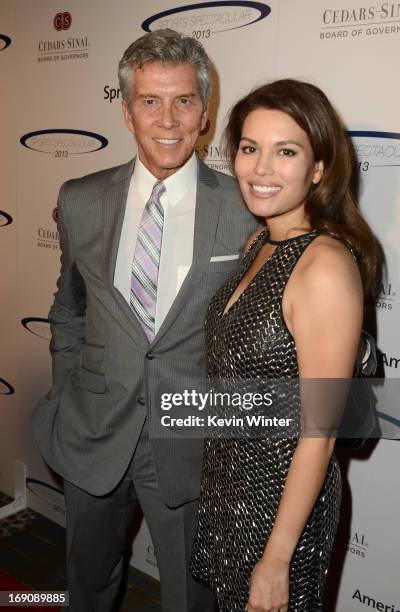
point(165, 115)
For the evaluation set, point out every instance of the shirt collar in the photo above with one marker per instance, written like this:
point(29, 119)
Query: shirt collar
point(176, 185)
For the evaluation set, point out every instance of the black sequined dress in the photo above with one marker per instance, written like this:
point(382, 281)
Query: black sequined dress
point(243, 479)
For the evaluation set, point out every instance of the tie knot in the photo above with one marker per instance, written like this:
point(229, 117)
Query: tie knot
point(157, 192)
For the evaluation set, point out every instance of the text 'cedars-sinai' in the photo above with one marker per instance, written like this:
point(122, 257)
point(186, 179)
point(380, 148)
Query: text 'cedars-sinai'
point(45, 46)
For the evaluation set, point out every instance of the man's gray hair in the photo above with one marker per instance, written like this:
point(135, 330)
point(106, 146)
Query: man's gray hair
point(169, 47)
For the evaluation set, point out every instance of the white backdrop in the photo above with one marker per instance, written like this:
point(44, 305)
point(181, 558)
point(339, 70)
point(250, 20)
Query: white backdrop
point(61, 118)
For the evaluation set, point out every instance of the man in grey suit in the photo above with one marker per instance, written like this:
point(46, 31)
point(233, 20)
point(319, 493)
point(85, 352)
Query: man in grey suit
point(144, 247)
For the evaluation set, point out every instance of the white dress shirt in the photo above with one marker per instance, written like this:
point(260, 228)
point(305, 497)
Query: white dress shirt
point(179, 204)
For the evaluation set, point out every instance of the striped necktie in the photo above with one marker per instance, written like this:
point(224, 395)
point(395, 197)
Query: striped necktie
point(146, 262)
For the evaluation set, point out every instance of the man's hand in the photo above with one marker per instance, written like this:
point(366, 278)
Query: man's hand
point(269, 587)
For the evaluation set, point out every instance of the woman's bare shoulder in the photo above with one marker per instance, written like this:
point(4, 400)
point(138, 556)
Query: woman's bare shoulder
point(328, 262)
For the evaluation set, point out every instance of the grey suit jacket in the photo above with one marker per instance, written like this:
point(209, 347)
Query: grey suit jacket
point(105, 373)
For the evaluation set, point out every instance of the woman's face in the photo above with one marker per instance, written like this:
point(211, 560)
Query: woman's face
point(275, 165)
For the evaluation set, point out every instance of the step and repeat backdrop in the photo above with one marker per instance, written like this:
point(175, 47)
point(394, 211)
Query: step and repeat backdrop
point(61, 118)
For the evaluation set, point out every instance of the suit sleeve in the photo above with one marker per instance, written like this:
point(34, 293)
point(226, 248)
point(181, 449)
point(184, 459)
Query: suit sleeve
point(67, 314)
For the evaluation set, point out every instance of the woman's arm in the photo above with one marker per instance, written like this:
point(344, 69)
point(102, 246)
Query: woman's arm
point(323, 307)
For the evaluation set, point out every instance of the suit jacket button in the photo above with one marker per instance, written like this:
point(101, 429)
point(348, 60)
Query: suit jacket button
point(142, 401)
point(150, 355)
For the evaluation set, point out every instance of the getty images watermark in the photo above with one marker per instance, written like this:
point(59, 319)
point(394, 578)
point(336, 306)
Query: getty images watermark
point(272, 408)
point(201, 401)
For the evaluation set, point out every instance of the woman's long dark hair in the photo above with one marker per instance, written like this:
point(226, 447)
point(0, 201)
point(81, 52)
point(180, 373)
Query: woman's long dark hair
point(331, 206)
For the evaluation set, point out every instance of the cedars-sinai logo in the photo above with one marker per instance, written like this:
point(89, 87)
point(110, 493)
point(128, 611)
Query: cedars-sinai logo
point(203, 20)
point(62, 142)
point(62, 21)
point(5, 41)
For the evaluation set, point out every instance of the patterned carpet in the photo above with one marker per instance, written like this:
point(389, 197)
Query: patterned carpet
point(32, 549)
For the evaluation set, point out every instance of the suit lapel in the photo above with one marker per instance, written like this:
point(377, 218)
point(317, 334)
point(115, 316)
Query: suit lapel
point(205, 226)
point(114, 205)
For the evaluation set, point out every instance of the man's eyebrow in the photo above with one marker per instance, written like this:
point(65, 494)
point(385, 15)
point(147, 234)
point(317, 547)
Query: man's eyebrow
point(181, 95)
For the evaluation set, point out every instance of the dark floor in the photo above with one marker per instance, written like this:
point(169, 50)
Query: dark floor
point(32, 549)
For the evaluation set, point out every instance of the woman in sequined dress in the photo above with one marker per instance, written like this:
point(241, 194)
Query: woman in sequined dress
point(269, 507)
